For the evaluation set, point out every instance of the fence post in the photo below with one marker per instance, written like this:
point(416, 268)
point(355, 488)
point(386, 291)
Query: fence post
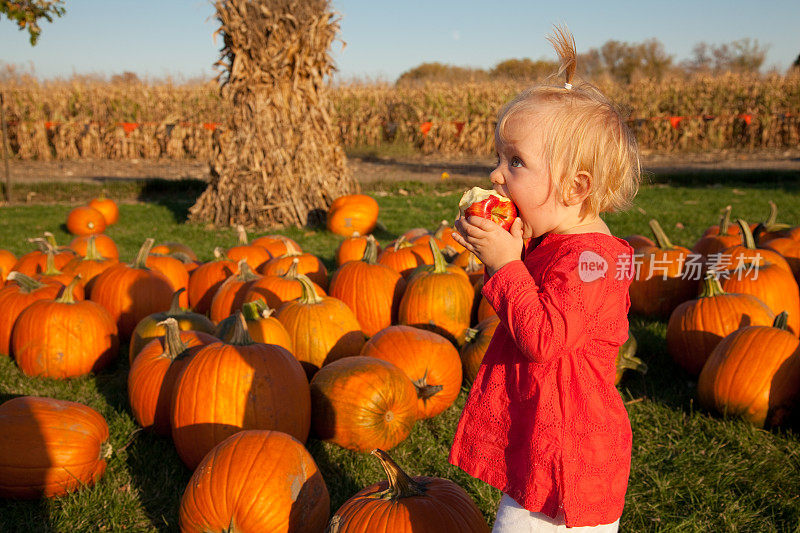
point(7, 188)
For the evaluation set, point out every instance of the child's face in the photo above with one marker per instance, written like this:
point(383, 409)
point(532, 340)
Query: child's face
point(521, 175)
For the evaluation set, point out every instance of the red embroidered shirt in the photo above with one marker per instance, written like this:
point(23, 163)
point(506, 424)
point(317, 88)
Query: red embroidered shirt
point(544, 422)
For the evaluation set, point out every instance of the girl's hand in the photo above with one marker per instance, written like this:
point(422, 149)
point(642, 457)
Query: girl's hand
point(490, 243)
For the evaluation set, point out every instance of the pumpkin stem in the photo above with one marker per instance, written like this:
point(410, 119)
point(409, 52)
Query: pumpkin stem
point(443, 225)
point(291, 272)
point(91, 250)
point(291, 249)
point(256, 310)
point(371, 251)
point(66, 296)
point(175, 306)
point(725, 221)
point(711, 286)
point(473, 265)
point(50, 238)
point(662, 241)
point(310, 295)
point(747, 235)
point(629, 361)
point(219, 253)
point(781, 321)
point(425, 391)
point(50, 262)
point(439, 263)
point(174, 346)
point(242, 234)
point(26, 283)
point(240, 335)
point(771, 224)
point(470, 335)
point(106, 450)
point(245, 274)
point(41, 244)
point(401, 242)
point(400, 484)
point(143, 253)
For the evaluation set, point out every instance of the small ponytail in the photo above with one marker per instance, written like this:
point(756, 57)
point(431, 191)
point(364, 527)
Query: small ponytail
point(564, 44)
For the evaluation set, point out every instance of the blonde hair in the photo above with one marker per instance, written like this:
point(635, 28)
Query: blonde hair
point(582, 132)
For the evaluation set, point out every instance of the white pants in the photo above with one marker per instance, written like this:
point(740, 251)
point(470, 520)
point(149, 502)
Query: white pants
point(513, 518)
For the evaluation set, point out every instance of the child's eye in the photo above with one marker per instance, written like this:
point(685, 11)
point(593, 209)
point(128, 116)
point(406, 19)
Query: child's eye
point(516, 162)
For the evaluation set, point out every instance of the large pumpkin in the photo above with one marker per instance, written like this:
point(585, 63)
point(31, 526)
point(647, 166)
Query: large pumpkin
point(18, 293)
point(371, 290)
point(151, 379)
point(131, 292)
point(228, 387)
point(438, 298)
point(353, 213)
point(362, 403)
point(663, 280)
point(50, 447)
point(429, 360)
point(64, 338)
point(696, 327)
point(256, 480)
point(322, 328)
point(420, 504)
point(754, 373)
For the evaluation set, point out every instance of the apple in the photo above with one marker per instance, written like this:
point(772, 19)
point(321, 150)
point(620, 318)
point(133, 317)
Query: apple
point(484, 203)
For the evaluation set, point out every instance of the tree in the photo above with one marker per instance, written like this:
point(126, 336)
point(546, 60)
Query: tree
point(524, 69)
point(440, 72)
point(743, 55)
point(28, 13)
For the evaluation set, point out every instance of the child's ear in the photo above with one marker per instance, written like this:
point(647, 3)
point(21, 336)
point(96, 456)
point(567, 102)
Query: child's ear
point(580, 188)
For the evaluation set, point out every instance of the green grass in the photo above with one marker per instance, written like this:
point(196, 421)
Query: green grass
point(691, 471)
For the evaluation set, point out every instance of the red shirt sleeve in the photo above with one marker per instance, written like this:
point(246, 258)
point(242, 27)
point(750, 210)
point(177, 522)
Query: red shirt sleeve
point(545, 320)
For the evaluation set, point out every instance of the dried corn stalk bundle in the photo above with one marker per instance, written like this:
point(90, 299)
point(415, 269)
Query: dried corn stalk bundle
point(279, 160)
point(65, 140)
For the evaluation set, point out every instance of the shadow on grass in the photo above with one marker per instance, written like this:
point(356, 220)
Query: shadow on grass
point(750, 178)
point(176, 195)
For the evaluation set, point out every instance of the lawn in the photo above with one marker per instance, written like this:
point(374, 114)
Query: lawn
point(691, 470)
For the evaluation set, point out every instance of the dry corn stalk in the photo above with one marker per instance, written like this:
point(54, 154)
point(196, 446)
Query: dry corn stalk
point(279, 160)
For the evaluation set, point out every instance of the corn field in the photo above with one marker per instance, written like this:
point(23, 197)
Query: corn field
point(76, 119)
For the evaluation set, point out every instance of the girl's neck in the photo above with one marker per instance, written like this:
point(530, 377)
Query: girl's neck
point(593, 224)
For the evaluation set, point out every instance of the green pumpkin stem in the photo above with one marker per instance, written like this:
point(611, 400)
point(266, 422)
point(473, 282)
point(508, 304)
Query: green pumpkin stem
point(310, 295)
point(400, 484)
point(662, 241)
point(51, 239)
point(627, 356)
point(371, 251)
point(401, 242)
point(256, 310)
point(470, 335)
point(174, 346)
point(50, 262)
point(66, 295)
point(143, 253)
point(91, 250)
point(747, 235)
point(291, 272)
point(26, 283)
point(439, 262)
point(725, 221)
point(781, 321)
point(711, 286)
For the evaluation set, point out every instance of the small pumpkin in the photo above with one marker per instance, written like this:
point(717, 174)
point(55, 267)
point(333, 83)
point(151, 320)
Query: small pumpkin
point(351, 213)
point(89, 266)
point(323, 329)
point(476, 342)
point(714, 243)
point(403, 502)
point(253, 254)
point(445, 234)
point(352, 248)
point(49, 447)
point(362, 403)
point(268, 468)
point(307, 264)
point(205, 281)
point(263, 326)
point(754, 373)
point(85, 220)
point(150, 327)
point(151, 379)
point(174, 271)
point(174, 249)
point(277, 290)
point(403, 257)
point(264, 388)
point(18, 293)
point(107, 207)
point(64, 338)
point(231, 294)
point(7, 262)
point(104, 245)
point(275, 244)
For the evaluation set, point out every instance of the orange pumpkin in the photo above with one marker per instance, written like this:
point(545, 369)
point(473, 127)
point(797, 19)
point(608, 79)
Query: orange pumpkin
point(714, 243)
point(88, 267)
point(253, 254)
point(322, 328)
point(107, 207)
point(151, 379)
point(403, 257)
point(403, 502)
point(754, 373)
point(267, 467)
point(7, 262)
point(264, 388)
point(104, 245)
point(63, 338)
point(789, 250)
point(149, 327)
point(264, 327)
point(770, 228)
point(174, 249)
point(276, 245)
point(49, 447)
point(663, 280)
point(372, 291)
point(34, 262)
point(18, 293)
point(205, 281)
point(351, 213)
point(639, 241)
point(362, 403)
point(352, 248)
point(429, 360)
point(174, 271)
point(438, 298)
point(476, 342)
point(307, 264)
point(277, 290)
point(445, 234)
point(697, 326)
point(131, 292)
point(85, 220)
point(231, 294)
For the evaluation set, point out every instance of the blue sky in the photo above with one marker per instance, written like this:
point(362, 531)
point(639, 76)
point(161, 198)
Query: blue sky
point(174, 37)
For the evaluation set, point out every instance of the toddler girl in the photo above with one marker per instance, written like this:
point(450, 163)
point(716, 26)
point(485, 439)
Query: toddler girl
point(544, 422)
